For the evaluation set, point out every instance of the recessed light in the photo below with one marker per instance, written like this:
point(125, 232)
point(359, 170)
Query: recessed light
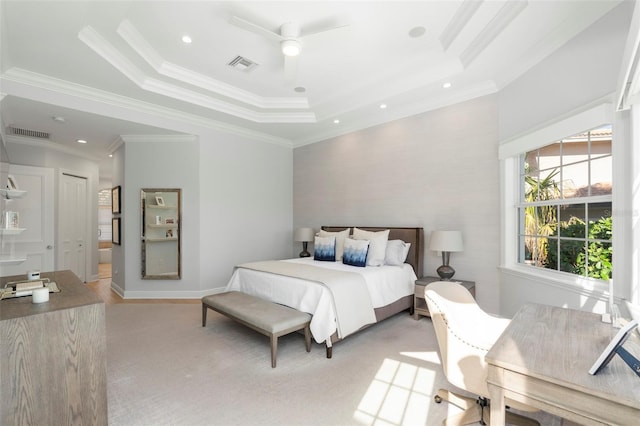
point(300, 89)
point(417, 32)
point(110, 155)
point(58, 118)
point(383, 106)
point(81, 141)
point(186, 39)
point(446, 85)
point(336, 121)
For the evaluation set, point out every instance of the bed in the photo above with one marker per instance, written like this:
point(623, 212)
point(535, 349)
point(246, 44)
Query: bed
point(339, 310)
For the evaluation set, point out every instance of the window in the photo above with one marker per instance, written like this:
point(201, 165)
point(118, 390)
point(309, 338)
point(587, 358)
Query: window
point(565, 206)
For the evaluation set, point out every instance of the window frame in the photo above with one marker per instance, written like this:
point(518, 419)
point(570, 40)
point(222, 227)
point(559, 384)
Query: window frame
point(509, 155)
point(563, 201)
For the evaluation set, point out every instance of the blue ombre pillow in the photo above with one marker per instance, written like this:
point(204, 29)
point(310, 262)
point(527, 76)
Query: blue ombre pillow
point(324, 249)
point(355, 252)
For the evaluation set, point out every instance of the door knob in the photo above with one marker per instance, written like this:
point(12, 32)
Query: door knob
point(49, 247)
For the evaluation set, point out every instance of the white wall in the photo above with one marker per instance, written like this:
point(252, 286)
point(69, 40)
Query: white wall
point(158, 162)
point(119, 252)
point(29, 152)
point(245, 202)
point(437, 170)
point(236, 207)
point(581, 72)
point(579, 75)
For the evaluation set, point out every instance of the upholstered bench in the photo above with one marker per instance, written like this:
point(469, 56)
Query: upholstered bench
point(265, 317)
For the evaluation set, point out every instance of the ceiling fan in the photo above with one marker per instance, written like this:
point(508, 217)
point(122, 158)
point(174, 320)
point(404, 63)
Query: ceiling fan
point(290, 37)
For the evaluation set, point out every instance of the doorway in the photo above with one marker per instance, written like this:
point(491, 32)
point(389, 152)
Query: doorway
point(104, 233)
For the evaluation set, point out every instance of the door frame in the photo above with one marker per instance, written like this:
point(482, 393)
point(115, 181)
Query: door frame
point(90, 240)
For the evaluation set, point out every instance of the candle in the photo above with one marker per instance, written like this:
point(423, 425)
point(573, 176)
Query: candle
point(40, 295)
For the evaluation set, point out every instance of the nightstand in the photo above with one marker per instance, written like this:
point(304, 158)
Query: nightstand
point(420, 305)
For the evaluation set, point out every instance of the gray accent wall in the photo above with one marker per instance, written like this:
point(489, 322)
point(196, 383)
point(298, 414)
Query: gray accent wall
point(437, 170)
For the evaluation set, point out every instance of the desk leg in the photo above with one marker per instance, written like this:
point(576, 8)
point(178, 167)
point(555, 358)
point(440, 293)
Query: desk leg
point(496, 395)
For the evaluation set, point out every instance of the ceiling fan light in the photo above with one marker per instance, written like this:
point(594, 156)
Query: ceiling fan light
point(290, 47)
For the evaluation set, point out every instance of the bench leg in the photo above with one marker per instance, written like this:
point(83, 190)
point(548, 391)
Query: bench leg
point(329, 351)
point(274, 350)
point(204, 315)
point(307, 338)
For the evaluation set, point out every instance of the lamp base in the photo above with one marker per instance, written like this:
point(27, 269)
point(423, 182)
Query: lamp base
point(445, 272)
point(304, 252)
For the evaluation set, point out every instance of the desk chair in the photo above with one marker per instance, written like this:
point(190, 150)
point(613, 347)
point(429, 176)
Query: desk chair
point(465, 333)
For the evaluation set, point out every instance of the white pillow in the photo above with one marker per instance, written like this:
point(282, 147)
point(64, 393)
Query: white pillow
point(396, 253)
point(340, 236)
point(377, 245)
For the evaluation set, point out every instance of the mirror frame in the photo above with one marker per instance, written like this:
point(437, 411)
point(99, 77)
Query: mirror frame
point(152, 203)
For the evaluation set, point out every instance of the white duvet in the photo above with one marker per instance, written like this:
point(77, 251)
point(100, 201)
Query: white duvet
point(386, 284)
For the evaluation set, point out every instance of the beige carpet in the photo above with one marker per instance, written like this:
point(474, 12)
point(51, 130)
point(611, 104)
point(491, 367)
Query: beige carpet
point(164, 368)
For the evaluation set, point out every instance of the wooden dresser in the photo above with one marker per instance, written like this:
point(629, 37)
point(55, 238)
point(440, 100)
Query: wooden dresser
point(53, 368)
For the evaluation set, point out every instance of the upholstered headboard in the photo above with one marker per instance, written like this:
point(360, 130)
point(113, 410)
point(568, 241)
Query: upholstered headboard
point(415, 236)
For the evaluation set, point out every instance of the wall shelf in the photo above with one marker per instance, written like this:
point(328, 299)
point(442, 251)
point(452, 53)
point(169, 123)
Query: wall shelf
point(154, 206)
point(11, 231)
point(160, 240)
point(7, 260)
point(12, 193)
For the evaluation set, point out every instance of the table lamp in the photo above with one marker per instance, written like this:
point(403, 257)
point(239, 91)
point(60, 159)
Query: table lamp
point(446, 242)
point(305, 235)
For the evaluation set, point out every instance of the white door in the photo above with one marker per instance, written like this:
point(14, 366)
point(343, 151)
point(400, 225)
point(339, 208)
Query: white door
point(35, 215)
point(72, 209)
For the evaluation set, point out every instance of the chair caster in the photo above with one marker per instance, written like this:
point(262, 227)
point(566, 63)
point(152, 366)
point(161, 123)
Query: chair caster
point(437, 399)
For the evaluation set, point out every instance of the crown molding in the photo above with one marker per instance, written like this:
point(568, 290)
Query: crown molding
point(110, 54)
point(139, 44)
point(30, 80)
point(365, 96)
point(463, 15)
point(113, 146)
point(494, 27)
point(158, 138)
point(122, 139)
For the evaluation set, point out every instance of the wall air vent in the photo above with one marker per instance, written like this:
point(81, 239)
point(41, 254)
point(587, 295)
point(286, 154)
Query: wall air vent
point(16, 131)
point(242, 64)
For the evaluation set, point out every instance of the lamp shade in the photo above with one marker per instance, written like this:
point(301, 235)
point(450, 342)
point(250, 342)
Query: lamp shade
point(303, 234)
point(446, 241)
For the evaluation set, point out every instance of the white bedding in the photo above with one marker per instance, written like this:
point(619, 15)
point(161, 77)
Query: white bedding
point(386, 284)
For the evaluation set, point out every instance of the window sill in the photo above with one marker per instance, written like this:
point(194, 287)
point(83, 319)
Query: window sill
point(589, 287)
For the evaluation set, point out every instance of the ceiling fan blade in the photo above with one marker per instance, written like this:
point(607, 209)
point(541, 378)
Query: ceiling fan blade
point(290, 69)
point(255, 28)
point(324, 24)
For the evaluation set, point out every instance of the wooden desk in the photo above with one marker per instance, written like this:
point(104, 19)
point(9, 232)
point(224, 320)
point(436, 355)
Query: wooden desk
point(543, 358)
point(53, 367)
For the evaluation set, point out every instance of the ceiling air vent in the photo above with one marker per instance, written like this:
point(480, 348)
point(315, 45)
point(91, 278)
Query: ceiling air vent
point(242, 64)
point(28, 133)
